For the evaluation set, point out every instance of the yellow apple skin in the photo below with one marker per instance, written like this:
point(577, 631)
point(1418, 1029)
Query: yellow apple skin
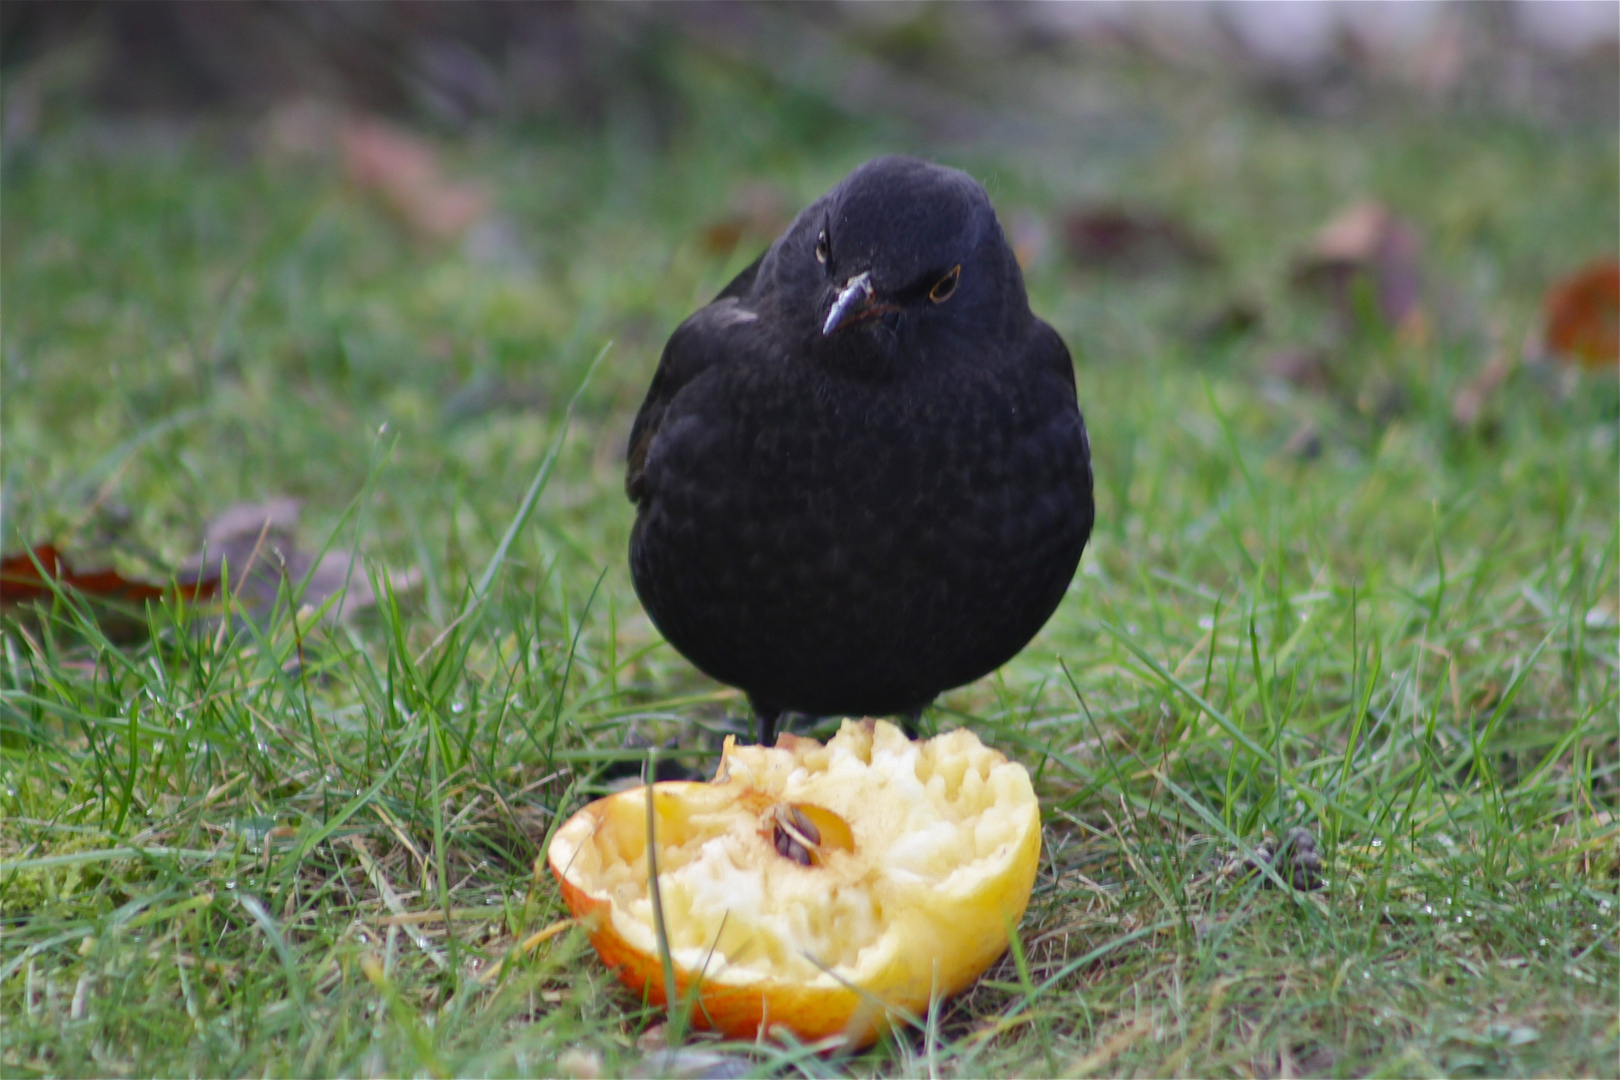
point(925, 855)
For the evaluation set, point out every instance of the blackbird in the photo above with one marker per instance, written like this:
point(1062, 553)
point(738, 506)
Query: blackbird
point(860, 475)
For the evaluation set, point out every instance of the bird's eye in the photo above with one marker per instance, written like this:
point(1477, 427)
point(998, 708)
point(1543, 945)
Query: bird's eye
point(946, 285)
point(821, 247)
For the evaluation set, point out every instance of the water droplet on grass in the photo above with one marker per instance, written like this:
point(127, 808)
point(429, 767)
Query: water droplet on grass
point(1377, 842)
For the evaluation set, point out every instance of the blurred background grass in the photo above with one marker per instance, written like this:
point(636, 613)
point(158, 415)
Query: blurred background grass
point(190, 219)
point(365, 255)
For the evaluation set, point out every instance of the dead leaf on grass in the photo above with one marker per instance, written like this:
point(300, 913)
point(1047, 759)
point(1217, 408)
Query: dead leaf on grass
point(405, 173)
point(255, 543)
point(1367, 246)
point(29, 575)
point(1581, 315)
point(1116, 237)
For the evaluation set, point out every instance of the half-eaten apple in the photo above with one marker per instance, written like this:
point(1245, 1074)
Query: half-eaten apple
point(828, 889)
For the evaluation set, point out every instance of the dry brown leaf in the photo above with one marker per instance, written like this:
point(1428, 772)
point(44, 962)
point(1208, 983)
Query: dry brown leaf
point(255, 542)
point(1367, 242)
point(1116, 237)
point(1581, 315)
point(29, 575)
point(405, 173)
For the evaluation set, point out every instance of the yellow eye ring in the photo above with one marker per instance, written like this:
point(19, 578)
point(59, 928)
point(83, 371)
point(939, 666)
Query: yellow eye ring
point(945, 286)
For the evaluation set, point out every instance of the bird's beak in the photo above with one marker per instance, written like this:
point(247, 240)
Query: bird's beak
point(856, 301)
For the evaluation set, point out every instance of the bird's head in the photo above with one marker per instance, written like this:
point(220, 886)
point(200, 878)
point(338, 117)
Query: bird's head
point(900, 250)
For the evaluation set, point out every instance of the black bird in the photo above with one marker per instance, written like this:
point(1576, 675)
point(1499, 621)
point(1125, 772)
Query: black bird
point(861, 476)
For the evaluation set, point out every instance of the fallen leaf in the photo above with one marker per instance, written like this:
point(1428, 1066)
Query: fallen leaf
point(29, 575)
point(405, 173)
point(1581, 315)
point(1367, 243)
point(1116, 237)
point(249, 519)
point(255, 544)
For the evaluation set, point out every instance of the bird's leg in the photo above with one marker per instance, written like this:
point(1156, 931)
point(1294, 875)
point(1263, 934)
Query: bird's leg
point(768, 716)
point(910, 719)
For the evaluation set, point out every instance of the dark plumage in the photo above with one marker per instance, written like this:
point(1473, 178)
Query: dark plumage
point(860, 475)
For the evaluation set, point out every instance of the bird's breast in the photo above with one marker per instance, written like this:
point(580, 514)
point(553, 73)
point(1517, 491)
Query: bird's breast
point(803, 453)
point(804, 533)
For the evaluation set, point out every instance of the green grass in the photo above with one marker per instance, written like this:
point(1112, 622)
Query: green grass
point(1407, 644)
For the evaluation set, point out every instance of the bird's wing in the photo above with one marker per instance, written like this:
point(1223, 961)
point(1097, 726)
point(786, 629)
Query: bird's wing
point(1047, 350)
point(693, 348)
